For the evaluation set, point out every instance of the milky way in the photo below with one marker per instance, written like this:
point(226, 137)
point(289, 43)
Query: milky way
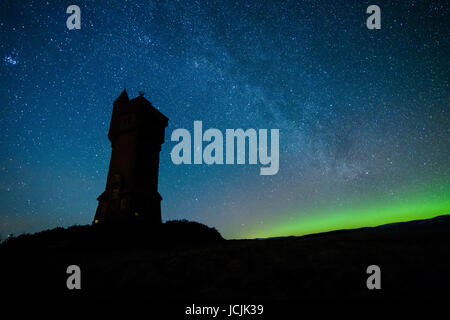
point(363, 114)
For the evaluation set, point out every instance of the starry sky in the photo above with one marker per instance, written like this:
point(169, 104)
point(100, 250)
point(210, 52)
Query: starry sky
point(363, 114)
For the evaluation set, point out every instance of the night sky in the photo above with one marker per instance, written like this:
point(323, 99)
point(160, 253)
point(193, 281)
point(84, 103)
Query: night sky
point(363, 114)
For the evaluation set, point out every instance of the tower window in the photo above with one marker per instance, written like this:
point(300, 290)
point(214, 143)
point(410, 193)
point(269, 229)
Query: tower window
point(115, 193)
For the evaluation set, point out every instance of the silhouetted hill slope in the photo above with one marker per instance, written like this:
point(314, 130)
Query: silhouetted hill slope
point(103, 236)
point(436, 224)
point(413, 257)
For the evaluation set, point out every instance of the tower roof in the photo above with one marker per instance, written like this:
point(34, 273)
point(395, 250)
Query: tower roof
point(140, 100)
point(122, 98)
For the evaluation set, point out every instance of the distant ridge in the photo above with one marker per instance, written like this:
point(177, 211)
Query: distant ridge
point(437, 224)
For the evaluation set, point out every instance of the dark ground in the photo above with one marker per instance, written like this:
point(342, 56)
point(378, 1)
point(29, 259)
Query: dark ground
point(413, 257)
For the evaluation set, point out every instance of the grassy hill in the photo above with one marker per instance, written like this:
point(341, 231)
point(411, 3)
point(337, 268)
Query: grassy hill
point(191, 262)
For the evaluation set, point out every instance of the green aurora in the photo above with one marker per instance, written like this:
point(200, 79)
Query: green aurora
point(422, 203)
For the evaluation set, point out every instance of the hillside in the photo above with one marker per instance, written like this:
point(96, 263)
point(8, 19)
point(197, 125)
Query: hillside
point(413, 258)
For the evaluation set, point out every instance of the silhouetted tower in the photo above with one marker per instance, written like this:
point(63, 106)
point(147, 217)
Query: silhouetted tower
point(136, 133)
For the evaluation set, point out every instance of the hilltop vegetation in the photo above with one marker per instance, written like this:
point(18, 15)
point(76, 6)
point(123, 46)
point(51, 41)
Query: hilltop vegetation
point(104, 236)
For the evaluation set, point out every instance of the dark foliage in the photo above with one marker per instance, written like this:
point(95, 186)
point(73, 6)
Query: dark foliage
point(103, 236)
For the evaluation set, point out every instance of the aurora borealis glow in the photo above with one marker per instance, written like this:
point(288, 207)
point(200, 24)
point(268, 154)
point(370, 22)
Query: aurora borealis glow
point(414, 205)
point(363, 114)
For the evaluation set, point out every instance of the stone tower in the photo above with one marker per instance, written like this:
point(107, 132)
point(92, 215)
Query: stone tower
point(136, 133)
